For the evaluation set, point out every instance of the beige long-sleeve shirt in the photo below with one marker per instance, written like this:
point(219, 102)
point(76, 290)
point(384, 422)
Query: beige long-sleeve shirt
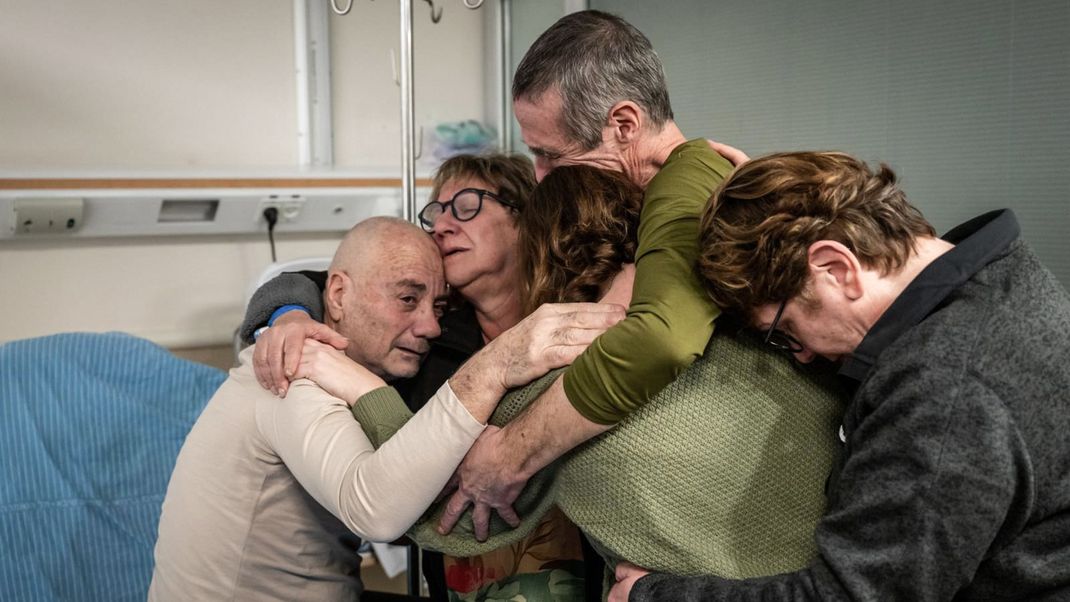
point(267, 493)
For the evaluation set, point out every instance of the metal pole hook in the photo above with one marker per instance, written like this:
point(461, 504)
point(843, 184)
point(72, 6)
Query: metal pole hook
point(436, 16)
point(349, 6)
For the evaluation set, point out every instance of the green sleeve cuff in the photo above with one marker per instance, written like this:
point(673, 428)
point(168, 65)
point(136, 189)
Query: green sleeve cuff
point(595, 413)
point(381, 413)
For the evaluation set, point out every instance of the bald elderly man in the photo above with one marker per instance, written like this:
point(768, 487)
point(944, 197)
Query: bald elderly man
point(267, 494)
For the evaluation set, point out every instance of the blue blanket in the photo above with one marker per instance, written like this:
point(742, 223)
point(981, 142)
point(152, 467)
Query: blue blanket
point(90, 426)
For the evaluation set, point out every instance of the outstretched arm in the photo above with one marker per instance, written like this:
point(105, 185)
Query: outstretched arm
point(549, 338)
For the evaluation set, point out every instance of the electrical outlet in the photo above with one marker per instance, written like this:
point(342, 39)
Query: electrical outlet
point(289, 206)
point(48, 215)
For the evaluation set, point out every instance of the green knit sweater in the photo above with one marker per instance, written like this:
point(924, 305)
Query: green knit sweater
point(722, 473)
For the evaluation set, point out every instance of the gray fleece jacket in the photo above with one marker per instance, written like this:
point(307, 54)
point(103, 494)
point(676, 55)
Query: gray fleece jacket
point(955, 482)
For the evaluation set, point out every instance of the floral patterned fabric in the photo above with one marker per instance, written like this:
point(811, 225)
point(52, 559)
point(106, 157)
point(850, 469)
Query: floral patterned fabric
point(547, 565)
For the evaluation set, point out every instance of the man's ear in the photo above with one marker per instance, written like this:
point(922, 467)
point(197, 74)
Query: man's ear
point(832, 263)
point(339, 287)
point(626, 121)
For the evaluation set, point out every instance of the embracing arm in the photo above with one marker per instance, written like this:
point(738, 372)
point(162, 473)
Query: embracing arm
point(670, 318)
point(668, 325)
point(291, 288)
point(375, 493)
point(278, 349)
point(928, 492)
point(669, 322)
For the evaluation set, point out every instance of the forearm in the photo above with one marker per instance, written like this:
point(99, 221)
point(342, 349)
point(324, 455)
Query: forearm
point(477, 387)
point(549, 428)
point(375, 493)
point(291, 288)
point(797, 587)
point(405, 475)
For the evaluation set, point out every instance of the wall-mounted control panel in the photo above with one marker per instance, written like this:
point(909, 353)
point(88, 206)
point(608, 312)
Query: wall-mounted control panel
point(110, 213)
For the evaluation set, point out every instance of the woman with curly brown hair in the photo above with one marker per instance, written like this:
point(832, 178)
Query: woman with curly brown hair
point(578, 234)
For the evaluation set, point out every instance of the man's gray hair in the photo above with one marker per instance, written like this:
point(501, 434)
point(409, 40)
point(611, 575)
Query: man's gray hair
point(594, 60)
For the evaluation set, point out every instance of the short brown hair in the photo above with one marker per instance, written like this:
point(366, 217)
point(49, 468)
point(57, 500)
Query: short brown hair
point(511, 176)
point(575, 235)
point(756, 231)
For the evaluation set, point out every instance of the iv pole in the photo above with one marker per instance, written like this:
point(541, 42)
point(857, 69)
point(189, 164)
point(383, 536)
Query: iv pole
point(408, 158)
point(408, 139)
point(408, 127)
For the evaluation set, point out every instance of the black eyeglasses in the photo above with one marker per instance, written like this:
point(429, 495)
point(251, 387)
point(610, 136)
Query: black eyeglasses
point(778, 339)
point(464, 206)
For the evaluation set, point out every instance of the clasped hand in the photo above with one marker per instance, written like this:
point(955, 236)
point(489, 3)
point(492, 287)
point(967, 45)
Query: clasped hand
point(335, 372)
point(279, 349)
point(491, 476)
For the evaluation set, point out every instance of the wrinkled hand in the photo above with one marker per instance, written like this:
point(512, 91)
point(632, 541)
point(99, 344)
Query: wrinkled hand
point(335, 372)
point(735, 156)
point(490, 476)
point(278, 349)
point(551, 337)
point(627, 574)
point(485, 480)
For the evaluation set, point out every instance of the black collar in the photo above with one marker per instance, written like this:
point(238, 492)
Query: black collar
point(460, 331)
point(977, 242)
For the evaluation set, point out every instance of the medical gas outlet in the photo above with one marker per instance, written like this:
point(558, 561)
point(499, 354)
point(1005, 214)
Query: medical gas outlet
point(47, 215)
point(289, 206)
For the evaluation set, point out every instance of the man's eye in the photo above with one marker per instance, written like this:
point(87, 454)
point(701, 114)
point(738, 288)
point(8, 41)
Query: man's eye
point(545, 155)
point(409, 300)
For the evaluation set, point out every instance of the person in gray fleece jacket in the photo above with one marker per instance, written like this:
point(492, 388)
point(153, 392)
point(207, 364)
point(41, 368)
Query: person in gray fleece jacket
point(955, 477)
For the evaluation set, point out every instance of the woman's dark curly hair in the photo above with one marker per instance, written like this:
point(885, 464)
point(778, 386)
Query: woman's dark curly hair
point(577, 231)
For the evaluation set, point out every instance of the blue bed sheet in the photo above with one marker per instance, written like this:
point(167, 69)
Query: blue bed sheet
point(90, 426)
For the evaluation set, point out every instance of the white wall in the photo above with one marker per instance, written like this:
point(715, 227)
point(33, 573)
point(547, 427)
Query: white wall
point(449, 71)
point(178, 293)
point(152, 84)
point(201, 84)
point(197, 87)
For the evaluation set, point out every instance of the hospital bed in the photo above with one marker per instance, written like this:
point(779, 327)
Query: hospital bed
point(91, 426)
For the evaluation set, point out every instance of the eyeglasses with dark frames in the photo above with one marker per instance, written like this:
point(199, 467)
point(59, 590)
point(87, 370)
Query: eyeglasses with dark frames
point(778, 339)
point(464, 206)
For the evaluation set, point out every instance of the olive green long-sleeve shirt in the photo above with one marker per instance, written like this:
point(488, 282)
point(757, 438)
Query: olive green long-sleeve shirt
point(670, 319)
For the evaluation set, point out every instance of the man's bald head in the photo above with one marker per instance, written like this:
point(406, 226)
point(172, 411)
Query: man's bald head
point(385, 293)
point(377, 237)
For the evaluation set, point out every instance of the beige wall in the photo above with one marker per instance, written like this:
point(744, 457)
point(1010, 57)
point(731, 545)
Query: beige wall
point(178, 293)
point(207, 85)
point(188, 88)
point(448, 71)
point(153, 84)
